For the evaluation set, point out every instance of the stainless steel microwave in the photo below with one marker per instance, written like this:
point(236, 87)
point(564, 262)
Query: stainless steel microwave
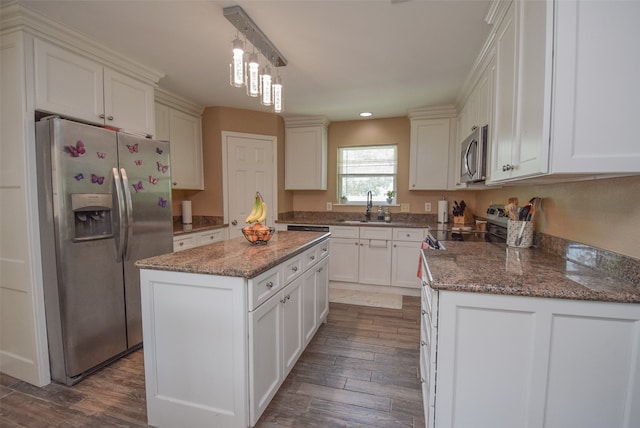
point(473, 156)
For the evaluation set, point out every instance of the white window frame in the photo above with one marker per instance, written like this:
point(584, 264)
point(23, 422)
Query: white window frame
point(379, 196)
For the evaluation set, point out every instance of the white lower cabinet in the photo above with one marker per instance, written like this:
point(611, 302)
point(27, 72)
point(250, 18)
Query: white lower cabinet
point(513, 361)
point(376, 255)
point(218, 348)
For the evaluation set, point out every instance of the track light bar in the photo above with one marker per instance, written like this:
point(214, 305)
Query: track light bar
point(239, 18)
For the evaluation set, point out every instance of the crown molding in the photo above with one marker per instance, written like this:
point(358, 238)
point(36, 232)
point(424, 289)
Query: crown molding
point(299, 121)
point(438, 112)
point(162, 96)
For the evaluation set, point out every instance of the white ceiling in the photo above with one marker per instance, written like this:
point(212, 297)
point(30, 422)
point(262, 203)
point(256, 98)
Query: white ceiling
point(344, 56)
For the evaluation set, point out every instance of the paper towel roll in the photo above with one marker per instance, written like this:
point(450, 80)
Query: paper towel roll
point(443, 211)
point(186, 212)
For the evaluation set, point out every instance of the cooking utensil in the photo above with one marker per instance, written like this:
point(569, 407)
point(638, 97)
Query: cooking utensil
point(524, 213)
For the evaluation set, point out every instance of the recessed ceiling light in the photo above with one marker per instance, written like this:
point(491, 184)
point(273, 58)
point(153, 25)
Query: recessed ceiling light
point(366, 114)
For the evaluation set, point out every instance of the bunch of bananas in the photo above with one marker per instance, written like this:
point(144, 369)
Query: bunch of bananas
point(258, 213)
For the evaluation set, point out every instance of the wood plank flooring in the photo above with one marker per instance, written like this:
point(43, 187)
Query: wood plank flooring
point(360, 370)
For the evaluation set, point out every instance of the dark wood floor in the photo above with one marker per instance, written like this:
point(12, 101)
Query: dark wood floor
point(360, 370)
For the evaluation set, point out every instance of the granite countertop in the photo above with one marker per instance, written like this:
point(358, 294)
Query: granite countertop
point(375, 223)
point(235, 257)
point(497, 269)
point(181, 229)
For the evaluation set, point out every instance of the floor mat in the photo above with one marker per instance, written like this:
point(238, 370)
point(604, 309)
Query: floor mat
point(365, 298)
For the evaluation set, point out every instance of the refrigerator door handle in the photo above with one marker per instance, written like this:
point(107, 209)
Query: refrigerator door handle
point(117, 184)
point(129, 205)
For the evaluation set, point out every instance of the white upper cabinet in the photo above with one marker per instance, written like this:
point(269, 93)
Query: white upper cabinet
point(306, 153)
point(72, 85)
point(596, 87)
point(429, 150)
point(179, 122)
point(565, 98)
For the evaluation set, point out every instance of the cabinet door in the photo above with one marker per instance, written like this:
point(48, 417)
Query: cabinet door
point(186, 150)
point(265, 355)
point(593, 73)
point(162, 122)
point(405, 257)
point(322, 290)
point(292, 337)
point(343, 265)
point(504, 130)
point(309, 308)
point(67, 83)
point(306, 158)
point(128, 103)
point(375, 261)
point(429, 167)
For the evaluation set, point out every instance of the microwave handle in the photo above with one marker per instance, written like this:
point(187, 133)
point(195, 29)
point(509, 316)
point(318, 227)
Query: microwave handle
point(466, 158)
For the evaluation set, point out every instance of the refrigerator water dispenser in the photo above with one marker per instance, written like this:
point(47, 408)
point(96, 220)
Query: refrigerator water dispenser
point(92, 216)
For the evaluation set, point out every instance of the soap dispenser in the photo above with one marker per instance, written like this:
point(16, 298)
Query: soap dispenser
point(380, 213)
point(387, 215)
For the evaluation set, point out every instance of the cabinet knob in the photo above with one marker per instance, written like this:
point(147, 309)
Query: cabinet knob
point(422, 380)
point(356, 243)
point(101, 116)
point(473, 128)
point(507, 167)
point(395, 246)
point(319, 270)
point(312, 257)
point(423, 343)
point(181, 244)
point(424, 312)
point(234, 222)
point(294, 268)
point(174, 183)
point(110, 118)
point(269, 285)
point(424, 283)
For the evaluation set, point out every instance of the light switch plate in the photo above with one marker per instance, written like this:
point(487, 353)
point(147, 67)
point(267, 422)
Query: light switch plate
point(329, 206)
point(404, 208)
point(427, 207)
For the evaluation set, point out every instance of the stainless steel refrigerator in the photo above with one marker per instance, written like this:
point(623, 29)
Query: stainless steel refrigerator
point(104, 202)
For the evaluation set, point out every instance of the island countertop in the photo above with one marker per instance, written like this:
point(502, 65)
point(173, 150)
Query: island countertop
point(235, 257)
point(497, 269)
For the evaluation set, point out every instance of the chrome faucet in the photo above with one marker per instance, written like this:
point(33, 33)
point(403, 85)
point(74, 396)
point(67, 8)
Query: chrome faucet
point(367, 214)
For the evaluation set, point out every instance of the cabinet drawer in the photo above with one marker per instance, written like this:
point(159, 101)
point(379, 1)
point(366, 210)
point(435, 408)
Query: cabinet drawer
point(376, 233)
point(322, 250)
point(184, 242)
point(408, 234)
point(310, 258)
point(204, 238)
point(264, 286)
point(345, 231)
point(291, 269)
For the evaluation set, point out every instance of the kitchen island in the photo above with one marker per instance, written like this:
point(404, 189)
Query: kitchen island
point(223, 325)
point(519, 337)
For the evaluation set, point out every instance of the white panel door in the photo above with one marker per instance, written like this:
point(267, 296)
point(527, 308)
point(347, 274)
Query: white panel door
point(309, 309)
point(249, 168)
point(128, 103)
point(292, 340)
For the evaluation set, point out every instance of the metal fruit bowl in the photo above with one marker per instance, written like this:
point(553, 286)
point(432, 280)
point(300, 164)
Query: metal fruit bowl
point(258, 237)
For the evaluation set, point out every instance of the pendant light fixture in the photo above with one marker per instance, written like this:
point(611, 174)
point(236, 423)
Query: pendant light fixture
point(237, 64)
point(277, 94)
point(261, 84)
point(265, 86)
point(253, 76)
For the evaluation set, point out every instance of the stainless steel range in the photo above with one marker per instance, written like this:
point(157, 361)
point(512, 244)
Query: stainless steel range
point(497, 223)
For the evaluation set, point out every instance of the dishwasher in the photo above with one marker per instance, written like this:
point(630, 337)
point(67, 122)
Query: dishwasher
point(307, 228)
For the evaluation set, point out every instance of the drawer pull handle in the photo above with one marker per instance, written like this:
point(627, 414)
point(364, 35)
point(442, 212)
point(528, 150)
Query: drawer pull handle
point(269, 285)
point(295, 268)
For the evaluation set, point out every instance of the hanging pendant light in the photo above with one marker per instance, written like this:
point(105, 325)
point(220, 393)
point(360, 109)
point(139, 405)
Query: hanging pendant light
point(253, 76)
point(237, 65)
point(265, 84)
point(277, 94)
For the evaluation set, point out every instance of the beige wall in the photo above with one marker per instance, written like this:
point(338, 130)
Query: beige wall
point(373, 132)
point(603, 213)
point(208, 202)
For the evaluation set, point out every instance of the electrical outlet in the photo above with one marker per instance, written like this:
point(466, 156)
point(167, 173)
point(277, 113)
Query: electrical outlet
point(329, 206)
point(427, 207)
point(404, 208)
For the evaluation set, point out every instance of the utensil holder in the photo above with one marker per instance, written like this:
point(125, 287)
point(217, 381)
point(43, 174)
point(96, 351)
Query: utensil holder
point(513, 231)
point(465, 218)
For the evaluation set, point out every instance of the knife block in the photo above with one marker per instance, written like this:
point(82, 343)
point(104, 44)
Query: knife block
point(466, 218)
